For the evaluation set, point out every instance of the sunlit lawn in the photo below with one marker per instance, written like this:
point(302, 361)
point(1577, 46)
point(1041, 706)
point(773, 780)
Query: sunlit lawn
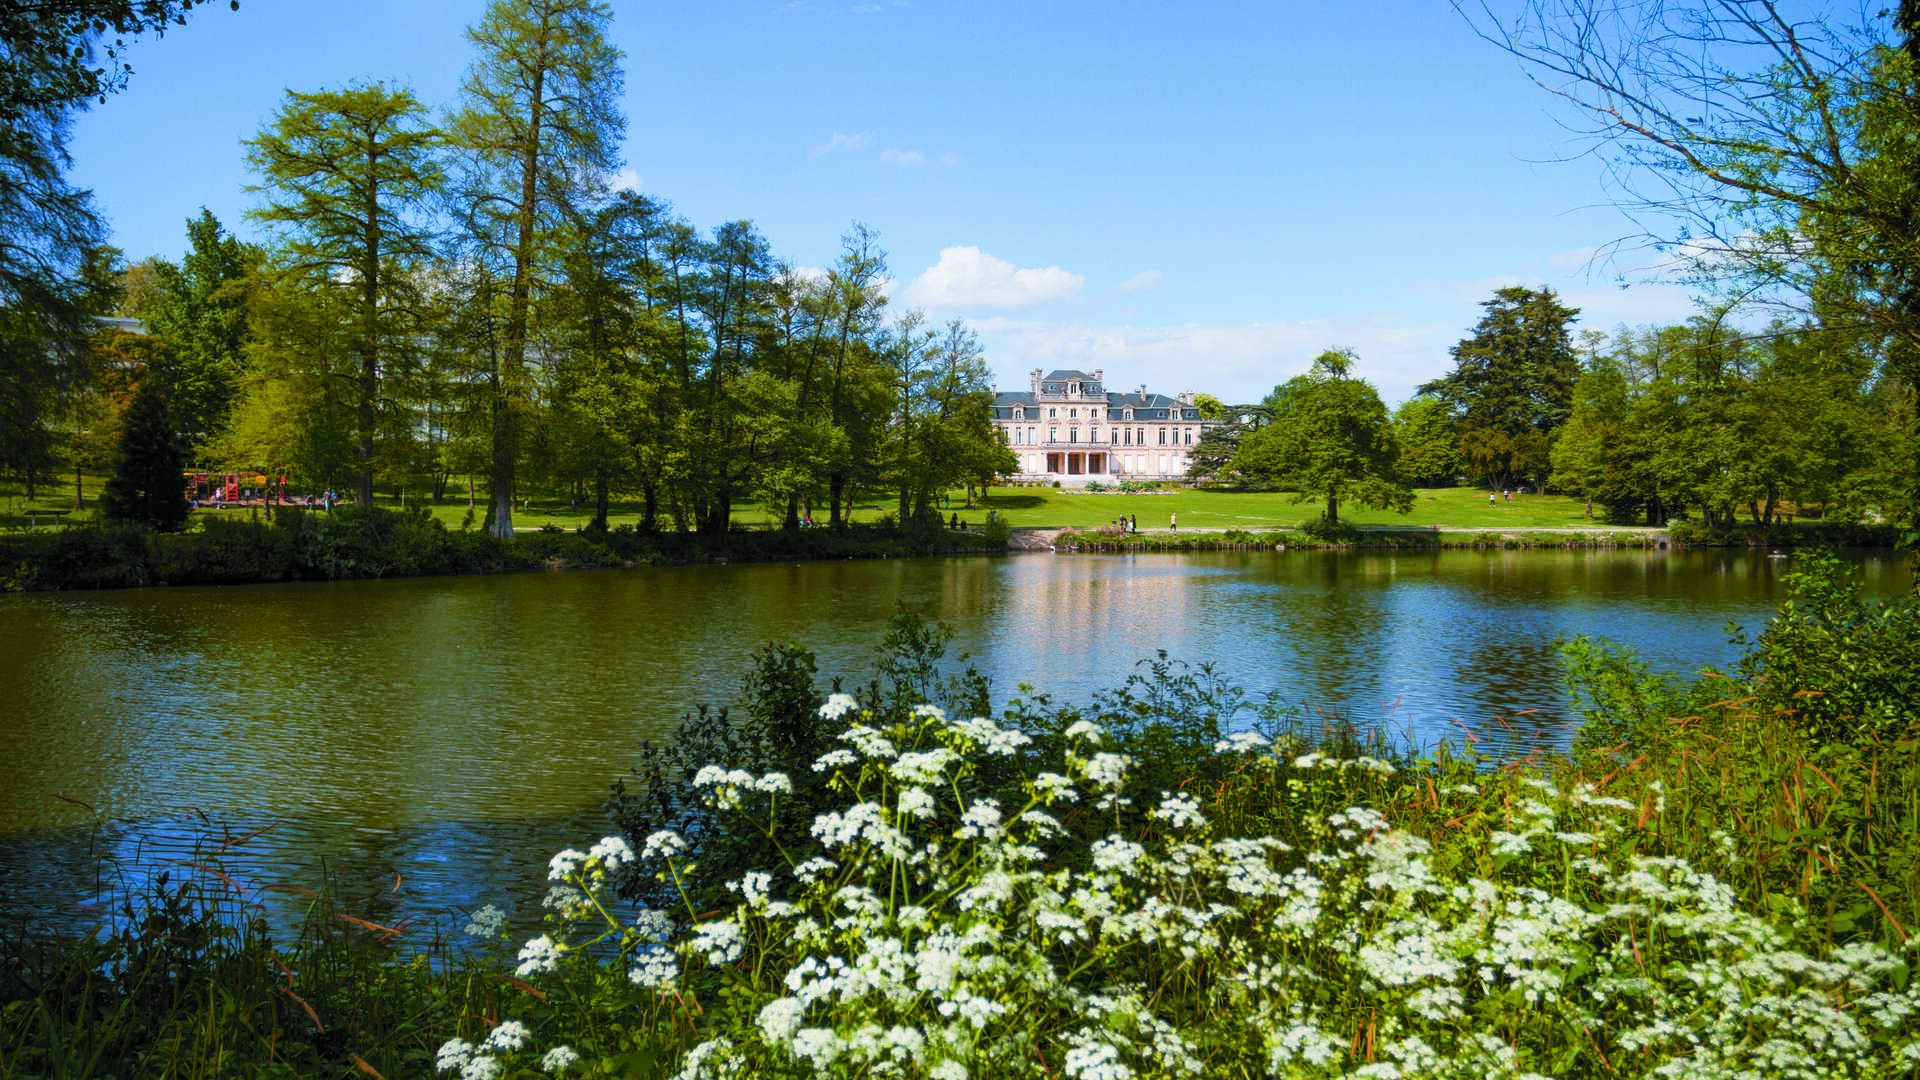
point(1050, 508)
point(1453, 508)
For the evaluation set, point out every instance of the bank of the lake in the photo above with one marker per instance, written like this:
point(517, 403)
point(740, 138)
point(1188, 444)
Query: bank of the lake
point(358, 543)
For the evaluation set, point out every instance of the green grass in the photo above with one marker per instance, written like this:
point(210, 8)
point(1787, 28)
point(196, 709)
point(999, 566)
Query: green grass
point(1450, 508)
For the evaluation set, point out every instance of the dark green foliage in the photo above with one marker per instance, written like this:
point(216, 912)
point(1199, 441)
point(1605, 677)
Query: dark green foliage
point(1512, 384)
point(146, 488)
point(1847, 670)
point(202, 316)
point(1330, 440)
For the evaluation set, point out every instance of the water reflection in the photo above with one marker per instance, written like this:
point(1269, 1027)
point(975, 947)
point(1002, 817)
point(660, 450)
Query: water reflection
point(455, 731)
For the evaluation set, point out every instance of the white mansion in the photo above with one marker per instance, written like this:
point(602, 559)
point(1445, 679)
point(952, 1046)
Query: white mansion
point(1068, 427)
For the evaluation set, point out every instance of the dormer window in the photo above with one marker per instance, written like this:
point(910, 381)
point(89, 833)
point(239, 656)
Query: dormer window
point(1129, 414)
point(1019, 414)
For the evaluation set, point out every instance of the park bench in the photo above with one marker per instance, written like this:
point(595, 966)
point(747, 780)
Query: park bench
point(35, 515)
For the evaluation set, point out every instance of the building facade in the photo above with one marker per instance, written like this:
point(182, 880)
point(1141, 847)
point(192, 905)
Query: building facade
point(1068, 427)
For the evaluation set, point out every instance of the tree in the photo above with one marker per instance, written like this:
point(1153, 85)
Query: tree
point(48, 70)
point(1777, 157)
point(1330, 439)
point(1219, 444)
point(202, 316)
point(146, 486)
point(538, 122)
point(1429, 450)
point(347, 174)
point(1512, 384)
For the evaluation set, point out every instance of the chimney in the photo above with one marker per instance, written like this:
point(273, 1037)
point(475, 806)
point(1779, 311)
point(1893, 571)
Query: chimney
point(1036, 381)
point(1100, 376)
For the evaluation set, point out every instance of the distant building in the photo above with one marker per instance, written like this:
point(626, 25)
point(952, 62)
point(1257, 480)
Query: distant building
point(1069, 427)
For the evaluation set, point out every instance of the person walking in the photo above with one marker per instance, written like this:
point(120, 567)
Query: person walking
point(1173, 521)
point(1492, 497)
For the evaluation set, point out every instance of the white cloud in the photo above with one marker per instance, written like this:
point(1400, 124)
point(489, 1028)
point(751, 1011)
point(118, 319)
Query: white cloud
point(969, 277)
point(1141, 282)
point(902, 157)
point(624, 180)
point(841, 140)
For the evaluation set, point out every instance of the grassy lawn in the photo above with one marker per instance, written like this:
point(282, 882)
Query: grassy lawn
point(1453, 508)
point(1049, 508)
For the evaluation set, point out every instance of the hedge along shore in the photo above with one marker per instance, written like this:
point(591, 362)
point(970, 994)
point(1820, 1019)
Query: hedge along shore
point(355, 543)
point(1111, 541)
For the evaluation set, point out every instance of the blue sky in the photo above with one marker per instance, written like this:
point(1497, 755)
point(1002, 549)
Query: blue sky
point(1191, 197)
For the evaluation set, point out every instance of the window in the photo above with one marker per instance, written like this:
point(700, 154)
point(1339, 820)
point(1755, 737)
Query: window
point(1129, 414)
point(1031, 432)
point(1052, 413)
point(1003, 436)
point(1053, 434)
point(1115, 433)
point(1163, 436)
point(1129, 439)
point(1073, 434)
point(1093, 435)
point(1019, 414)
point(1189, 436)
point(1073, 414)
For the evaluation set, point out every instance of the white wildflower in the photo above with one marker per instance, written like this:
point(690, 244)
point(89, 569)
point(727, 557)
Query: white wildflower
point(833, 759)
point(565, 864)
point(1180, 811)
point(775, 783)
point(612, 851)
point(722, 941)
point(837, 706)
point(510, 1035)
point(480, 1068)
point(557, 1059)
point(1108, 770)
point(664, 844)
point(488, 921)
point(654, 968)
point(917, 802)
point(453, 1054)
point(781, 1017)
point(1240, 742)
point(1085, 729)
point(537, 957)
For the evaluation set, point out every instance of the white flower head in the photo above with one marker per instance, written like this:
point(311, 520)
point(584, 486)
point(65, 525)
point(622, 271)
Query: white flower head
point(1240, 742)
point(557, 1059)
point(565, 864)
point(510, 1035)
point(838, 706)
point(654, 968)
point(537, 957)
point(488, 921)
point(453, 1054)
point(666, 843)
point(480, 1068)
point(612, 851)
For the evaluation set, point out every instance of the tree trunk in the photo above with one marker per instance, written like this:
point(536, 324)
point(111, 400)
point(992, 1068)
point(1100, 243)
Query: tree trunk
point(792, 521)
point(649, 507)
point(469, 491)
point(599, 505)
point(76, 485)
point(1589, 508)
point(1333, 510)
point(836, 486)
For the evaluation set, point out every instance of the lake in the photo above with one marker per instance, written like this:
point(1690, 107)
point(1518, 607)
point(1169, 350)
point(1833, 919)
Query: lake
point(454, 732)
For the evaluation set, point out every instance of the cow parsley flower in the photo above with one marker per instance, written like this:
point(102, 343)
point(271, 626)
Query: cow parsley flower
point(565, 864)
point(1108, 770)
point(510, 1035)
point(453, 1054)
point(654, 968)
point(480, 1068)
point(664, 844)
point(721, 940)
point(833, 759)
point(537, 957)
point(781, 1017)
point(1085, 729)
point(557, 1059)
point(775, 783)
point(488, 921)
point(612, 851)
point(917, 802)
point(1178, 811)
point(1240, 742)
point(838, 706)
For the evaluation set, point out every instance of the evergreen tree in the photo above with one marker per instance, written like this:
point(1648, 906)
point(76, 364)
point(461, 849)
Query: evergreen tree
point(1330, 439)
point(146, 487)
point(1512, 384)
